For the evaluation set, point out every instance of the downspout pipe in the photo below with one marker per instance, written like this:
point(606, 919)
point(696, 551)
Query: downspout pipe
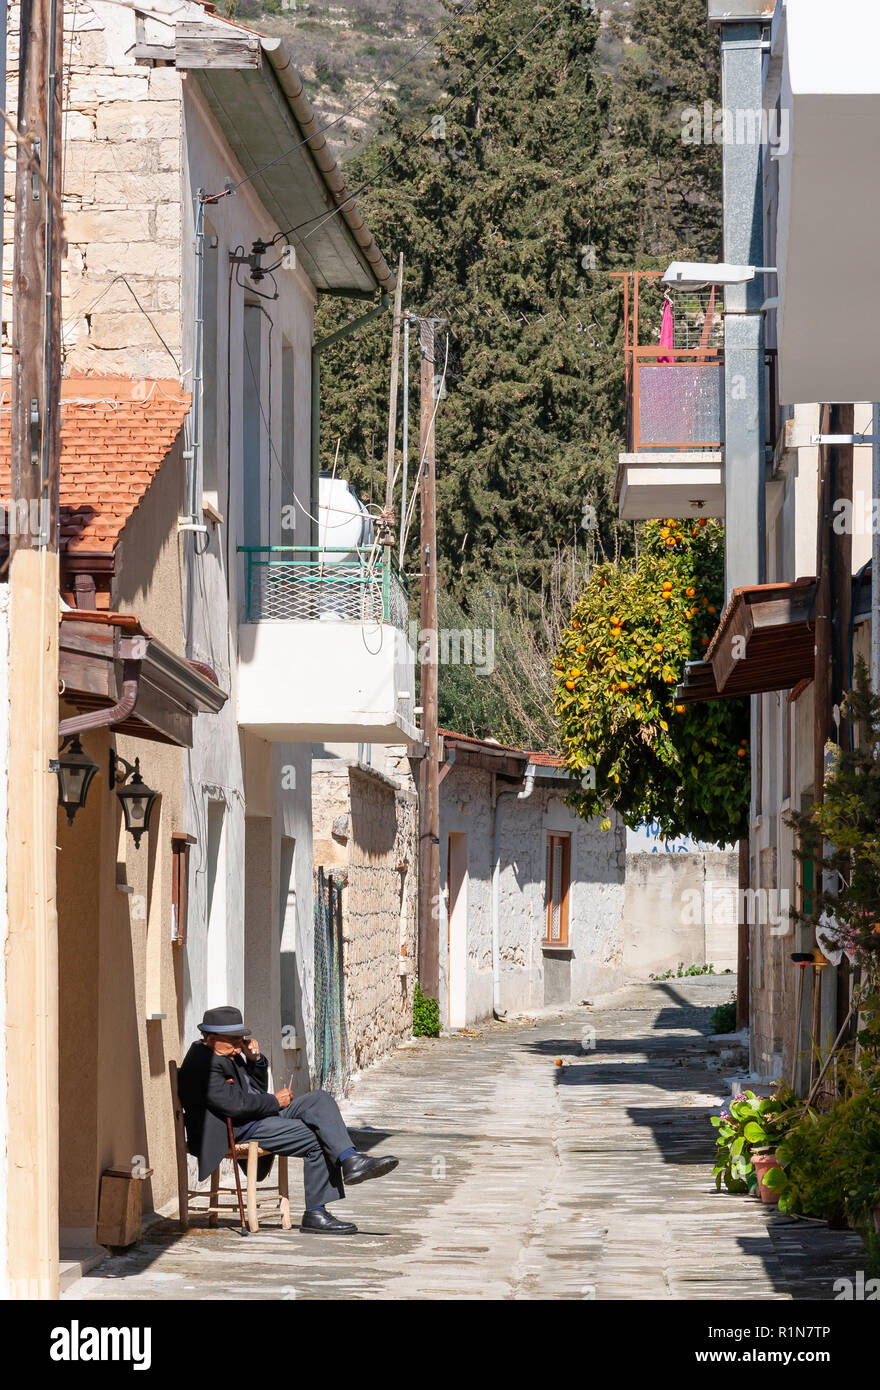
point(100, 718)
point(317, 348)
point(523, 795)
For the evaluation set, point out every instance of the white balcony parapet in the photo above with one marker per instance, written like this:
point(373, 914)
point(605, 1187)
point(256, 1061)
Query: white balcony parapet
point(323, 649)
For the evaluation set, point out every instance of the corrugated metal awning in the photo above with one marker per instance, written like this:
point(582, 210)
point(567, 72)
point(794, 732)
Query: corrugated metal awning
point(258, 100)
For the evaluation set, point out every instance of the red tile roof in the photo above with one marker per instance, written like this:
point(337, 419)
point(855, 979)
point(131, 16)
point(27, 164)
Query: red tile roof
point(115, 434)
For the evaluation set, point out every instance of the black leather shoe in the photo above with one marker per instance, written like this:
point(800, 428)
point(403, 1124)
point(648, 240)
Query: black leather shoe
point(360, 1167)
point(322, 1223)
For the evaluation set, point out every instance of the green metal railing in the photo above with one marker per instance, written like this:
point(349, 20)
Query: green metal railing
point(366, 586)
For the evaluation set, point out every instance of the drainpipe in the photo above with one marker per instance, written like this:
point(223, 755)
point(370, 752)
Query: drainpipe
point(317, 348)
point(100, 718)
point(530, 774)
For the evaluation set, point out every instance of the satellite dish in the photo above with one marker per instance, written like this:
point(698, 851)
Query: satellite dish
point(826, 930)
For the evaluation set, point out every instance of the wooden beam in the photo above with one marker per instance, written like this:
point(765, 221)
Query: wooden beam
point(207, 46)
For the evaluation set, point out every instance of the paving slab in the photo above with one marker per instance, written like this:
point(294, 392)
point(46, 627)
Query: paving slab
point(521, 1179)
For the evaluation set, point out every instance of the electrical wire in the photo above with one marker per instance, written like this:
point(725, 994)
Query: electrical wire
point(430, 430)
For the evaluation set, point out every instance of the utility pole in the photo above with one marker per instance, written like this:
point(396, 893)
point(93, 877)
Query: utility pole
point(32, 940)
point(429, 784)
point(392, 394)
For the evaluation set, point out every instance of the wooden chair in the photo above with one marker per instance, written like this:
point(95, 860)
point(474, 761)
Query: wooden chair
point(274, 1196)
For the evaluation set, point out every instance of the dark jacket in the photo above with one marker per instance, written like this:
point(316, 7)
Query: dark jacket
point(212, 1088)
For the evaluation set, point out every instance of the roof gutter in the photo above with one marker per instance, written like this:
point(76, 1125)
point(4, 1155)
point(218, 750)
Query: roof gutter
point(291, 83)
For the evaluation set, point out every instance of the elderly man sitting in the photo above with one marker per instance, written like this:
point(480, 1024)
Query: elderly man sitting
point(226, 1076)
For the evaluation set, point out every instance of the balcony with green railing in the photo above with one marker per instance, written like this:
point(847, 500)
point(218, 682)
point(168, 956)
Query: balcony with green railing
point(308, 583)
point(324, 654)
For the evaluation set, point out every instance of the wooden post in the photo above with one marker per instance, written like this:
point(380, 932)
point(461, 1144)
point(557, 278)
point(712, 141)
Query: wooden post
point(32, 936)
point(429, 788)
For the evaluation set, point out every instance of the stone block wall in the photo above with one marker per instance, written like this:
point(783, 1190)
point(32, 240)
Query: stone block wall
point(366, 831)
point(122, 193)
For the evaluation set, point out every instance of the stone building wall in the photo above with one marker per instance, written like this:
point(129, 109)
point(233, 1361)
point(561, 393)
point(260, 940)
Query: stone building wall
point(531, 976)
point(365, 827)
point(122, 152)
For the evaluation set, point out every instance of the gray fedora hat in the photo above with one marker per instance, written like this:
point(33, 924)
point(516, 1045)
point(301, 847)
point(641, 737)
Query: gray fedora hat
point(226, 1020)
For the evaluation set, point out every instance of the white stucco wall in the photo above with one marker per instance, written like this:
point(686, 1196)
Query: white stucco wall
point(531, 977)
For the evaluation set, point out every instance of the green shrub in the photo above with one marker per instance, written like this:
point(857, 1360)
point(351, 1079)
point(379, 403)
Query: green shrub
point(426, 1015)
point(749, 1121)
point(831, 1163)
point(724, 1016)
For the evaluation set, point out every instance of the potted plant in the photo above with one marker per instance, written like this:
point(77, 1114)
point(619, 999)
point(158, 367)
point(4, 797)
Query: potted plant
point(751, 1127)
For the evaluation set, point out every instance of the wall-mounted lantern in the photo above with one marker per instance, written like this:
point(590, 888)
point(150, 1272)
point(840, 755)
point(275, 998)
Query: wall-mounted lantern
point(74, 770)
point(136, 797)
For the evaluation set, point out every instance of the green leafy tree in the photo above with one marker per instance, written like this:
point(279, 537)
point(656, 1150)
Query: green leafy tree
point(625, 739)
point(509, 224)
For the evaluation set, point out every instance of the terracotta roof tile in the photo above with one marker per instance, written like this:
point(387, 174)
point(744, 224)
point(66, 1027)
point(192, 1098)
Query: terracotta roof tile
point(115, 434)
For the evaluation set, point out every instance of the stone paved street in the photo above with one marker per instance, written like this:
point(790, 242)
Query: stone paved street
point(519, 1179)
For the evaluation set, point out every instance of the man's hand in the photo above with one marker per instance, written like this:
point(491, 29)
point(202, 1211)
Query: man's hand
point(252, 1048)
point(283, 1097)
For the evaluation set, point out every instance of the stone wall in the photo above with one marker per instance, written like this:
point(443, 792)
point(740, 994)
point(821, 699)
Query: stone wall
point(122, 192)
point(365, 828)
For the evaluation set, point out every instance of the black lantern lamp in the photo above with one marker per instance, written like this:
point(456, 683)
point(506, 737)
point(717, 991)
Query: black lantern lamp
point(136, 797)
point(74, 770)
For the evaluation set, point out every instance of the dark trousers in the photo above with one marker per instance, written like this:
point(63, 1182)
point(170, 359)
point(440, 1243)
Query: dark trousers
point(311, 1128)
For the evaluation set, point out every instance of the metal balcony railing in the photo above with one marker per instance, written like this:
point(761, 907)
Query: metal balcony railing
point(308, 583)
point(675, 395)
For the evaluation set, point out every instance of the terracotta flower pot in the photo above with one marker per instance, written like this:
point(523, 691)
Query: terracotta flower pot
point(762, 1163)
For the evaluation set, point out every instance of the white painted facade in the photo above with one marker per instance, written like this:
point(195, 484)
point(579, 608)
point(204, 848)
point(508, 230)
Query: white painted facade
point(824, 74)
point(532, 976)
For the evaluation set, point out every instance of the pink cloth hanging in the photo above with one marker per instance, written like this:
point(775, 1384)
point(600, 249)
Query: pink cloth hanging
point(667, 330)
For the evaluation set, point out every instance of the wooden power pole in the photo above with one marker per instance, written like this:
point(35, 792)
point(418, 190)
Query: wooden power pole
point(32, 940)
point(429, 784)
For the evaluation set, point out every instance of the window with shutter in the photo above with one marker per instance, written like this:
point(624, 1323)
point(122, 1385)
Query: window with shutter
point(557, 888)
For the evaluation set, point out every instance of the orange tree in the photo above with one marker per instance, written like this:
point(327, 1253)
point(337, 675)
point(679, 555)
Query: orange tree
point(626, 741)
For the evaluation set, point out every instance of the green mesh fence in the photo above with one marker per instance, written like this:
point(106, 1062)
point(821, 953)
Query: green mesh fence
point(332, 1066)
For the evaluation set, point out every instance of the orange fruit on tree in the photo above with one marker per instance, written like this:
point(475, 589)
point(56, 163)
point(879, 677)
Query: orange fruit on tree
point(704, 641)
point(667, 595)
point(689, 593)
point(740, 752)
point(569, 685)
point(658, 646)
point(705, 603)
point(670, 521)
point(670, 541)
point(712, 608)
point(667, 584)
point(679, 709)
point(703, 521)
